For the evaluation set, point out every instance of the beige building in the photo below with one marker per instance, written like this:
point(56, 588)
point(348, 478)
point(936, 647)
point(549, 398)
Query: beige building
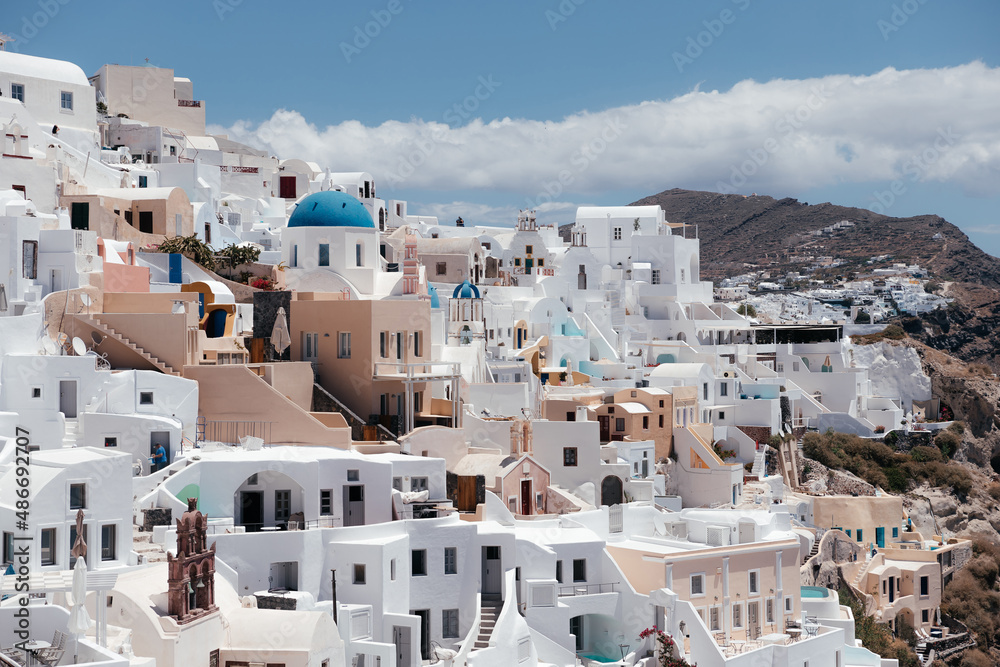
point(375, 357)
point(868, 520)
point(658, 424)
point(152, 95)
point(164, 212)
point(452, 260)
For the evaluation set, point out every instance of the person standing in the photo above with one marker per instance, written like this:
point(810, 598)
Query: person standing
point(159, 458)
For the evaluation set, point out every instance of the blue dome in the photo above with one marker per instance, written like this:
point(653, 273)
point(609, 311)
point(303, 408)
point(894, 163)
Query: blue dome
point(435, 301)
point(466, 291)
point(330, 209)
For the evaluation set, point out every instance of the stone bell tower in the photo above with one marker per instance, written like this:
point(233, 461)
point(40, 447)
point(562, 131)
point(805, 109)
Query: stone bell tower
point(191, 573)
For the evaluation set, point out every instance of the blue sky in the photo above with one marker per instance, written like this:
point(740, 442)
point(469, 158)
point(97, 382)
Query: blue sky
point(567, 102)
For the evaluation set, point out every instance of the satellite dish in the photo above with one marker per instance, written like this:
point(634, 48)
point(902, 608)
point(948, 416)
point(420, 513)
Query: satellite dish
point(85, 299)
point(49, 345)
point(96, 337)
point(79, 347)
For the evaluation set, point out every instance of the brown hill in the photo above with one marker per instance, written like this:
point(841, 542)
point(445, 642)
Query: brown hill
point(736, 230)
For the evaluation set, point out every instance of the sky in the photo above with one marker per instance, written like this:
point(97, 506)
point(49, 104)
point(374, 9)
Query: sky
point(481, 108)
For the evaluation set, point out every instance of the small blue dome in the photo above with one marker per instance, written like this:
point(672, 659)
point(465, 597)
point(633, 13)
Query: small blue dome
point(466, 291)
point(330, 209)
point(435, 301)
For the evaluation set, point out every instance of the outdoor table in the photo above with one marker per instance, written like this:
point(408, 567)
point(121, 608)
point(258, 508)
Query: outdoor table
point(774, 638)
point(31, 647)
point(796, 633)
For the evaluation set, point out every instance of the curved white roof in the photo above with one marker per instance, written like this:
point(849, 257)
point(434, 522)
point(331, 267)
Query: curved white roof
point(677, 370)
point(42, 68)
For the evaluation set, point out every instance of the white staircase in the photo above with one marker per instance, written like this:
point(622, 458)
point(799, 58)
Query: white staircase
point(759, 468)
point(490, 611)
point(143, 545)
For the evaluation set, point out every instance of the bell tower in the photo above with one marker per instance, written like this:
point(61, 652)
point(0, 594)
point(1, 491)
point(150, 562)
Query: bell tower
point(191, 573)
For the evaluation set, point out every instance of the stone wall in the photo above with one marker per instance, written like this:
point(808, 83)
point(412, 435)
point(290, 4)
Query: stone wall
point(156, 516)
point(758, 433)
point(275, 602)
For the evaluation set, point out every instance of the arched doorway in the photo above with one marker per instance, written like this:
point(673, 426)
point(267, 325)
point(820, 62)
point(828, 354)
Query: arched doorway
point(215, 325)
point(665, 359)
point(611, 490)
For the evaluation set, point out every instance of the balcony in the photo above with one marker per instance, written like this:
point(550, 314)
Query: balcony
point(587, 589)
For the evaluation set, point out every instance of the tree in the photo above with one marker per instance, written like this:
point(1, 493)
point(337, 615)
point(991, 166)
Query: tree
point(237, 255)
point(747, 310)
point(191, 247)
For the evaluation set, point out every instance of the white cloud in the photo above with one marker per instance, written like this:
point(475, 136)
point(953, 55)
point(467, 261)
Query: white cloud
point(782, 135)
point(481, 214)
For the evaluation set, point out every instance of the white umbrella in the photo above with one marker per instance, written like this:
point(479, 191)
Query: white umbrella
point(279, 334)
point(79, 619)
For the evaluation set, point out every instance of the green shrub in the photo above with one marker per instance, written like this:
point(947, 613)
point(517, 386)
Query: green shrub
point(922, 454)
point(947, 442)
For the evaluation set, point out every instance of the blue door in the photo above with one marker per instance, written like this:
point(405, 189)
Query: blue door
point(880, 537)
point(215, 325)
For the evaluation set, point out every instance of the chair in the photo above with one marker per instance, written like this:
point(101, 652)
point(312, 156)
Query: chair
point(51, 655)
point(12, 657)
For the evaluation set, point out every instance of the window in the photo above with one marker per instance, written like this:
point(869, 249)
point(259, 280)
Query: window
point(326, 502)
point(722, 415)
point(528, 250)
point(451, 560)
point(618, 233)
point(49, 546)
point(324, 254)
point(724, 389)
point(78, 496)
point(145, 398)
point(144, 182)
point(620, 424)
point(66, 100)
point(353, 475)
point(392, 570)
point(661, 421)
point(17, 92)
point(418, 563)
point(754, 582)
point(359, 255)
point(252, 480)
point(737, 615)
point(399, 345)
point(559, 578)
point(713, 619)
point(704, 390)
point(656, 277)
point(579, 569)
point(397, 483)
point(859, 534)
point(8, 548)
point(295, 256)
point(418, 484)
point(697, 584)
point(416, 344)
point(449, 623)
point(282, 504)
point(541, 262)
point(924, 586)
point(359, 573)
point(569, 456)
point(383, 343)
point(645, 422)
point(925, 615)
point(344, 351)
point(29, 259)
point(895, 531)
point(110, 441)
point(517, 261)
point(36, 392)
point(109, 533)
point(441, 268)
point(788, 603)
point(769, 610)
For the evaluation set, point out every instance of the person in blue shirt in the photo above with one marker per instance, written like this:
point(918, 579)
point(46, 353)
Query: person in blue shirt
point(159, 458)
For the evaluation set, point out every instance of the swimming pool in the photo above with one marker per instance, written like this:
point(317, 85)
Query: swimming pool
point(599, 658)
point(816, 592)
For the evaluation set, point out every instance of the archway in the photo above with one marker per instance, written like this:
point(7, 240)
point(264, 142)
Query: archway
point(665, 358)
point(215, 325)
point(611, 490)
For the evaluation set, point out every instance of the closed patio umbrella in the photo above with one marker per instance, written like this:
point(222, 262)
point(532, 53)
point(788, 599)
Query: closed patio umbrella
point(279, 334)
point(79, 620)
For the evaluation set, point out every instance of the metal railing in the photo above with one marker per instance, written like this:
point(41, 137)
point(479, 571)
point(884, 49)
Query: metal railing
point(189, 103)
point(587, 589)
point(231, 431)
